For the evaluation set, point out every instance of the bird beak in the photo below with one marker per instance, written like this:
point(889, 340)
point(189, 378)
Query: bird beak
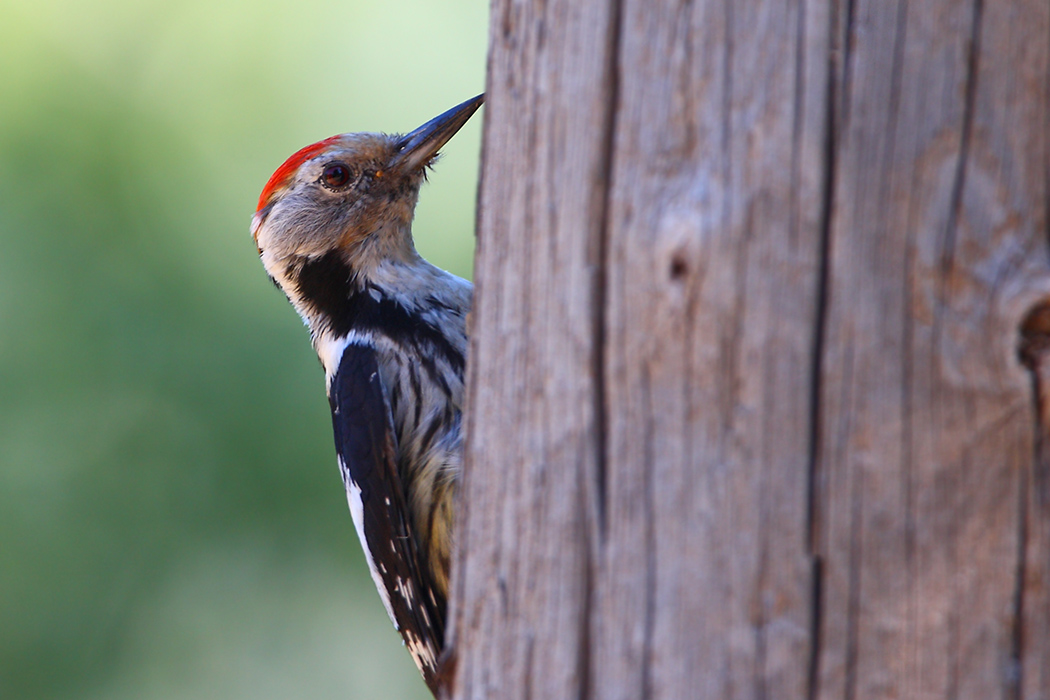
point(415, 150)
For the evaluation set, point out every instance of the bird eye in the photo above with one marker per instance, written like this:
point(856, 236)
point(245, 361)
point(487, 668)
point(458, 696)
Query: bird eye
point(335, 175)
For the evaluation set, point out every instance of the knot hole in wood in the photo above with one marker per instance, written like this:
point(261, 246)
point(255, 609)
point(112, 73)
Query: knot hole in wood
point(1034, 342)
point(679, 267)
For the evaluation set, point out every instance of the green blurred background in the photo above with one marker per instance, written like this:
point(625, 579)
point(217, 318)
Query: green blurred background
point(172, 522)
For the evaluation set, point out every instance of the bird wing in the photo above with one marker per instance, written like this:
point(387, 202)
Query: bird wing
point(366, 446)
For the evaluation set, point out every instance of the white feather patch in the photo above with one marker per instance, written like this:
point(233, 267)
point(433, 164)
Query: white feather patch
point(357, 511)
point(330, 350)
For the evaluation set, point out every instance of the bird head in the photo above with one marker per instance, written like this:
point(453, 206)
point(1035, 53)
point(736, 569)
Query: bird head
point(351, 195)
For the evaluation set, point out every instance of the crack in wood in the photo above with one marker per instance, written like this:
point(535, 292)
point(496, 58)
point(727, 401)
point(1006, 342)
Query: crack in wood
point(596, 532)
point(835, 105)
point(727, 109)
point(846, 35)
point(816, 621)
point(855, 554)
point(959, 181)
point(650, 543)
point(796, 124)
point(603, 263)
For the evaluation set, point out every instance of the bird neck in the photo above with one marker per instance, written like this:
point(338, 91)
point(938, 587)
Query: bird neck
point(322, 280)
point(333, 294)
point(343, 303)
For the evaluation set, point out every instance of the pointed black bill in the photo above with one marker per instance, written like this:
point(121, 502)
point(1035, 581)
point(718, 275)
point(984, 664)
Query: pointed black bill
point(417, 148)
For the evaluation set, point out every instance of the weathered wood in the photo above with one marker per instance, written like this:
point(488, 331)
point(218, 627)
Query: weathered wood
point(533, 407)
point(746, 411)
point(713, 280)
point(939, 203)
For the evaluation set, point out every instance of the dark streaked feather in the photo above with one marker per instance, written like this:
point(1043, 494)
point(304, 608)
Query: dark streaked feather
point(346, 304)
point(365, 442)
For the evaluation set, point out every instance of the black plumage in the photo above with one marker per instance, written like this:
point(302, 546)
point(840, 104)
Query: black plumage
point(365, 444)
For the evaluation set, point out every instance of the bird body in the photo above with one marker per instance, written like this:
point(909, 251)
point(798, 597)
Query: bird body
point(333, 230)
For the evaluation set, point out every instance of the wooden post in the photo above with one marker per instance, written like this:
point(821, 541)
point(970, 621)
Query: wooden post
point(747, 415)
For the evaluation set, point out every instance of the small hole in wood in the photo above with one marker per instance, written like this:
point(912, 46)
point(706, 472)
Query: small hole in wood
point(1034, 342)
point(679, 268)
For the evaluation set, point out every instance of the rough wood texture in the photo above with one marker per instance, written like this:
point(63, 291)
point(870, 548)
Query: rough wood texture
point(713, 278)
point(533, 409)
point(747, 417)
point(939, 209)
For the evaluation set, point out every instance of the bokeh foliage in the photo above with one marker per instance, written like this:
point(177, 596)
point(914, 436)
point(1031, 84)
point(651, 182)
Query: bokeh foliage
point(172, 523)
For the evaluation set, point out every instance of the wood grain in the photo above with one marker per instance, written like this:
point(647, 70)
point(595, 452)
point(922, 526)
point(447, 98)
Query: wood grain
point(713, 283)
point(926, 426)
point(533, 425)
point(747, 417)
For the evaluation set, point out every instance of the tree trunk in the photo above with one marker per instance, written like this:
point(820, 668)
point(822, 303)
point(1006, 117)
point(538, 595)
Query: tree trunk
point(747, 416)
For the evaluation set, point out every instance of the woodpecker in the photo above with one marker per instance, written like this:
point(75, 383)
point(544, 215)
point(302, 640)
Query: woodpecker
point(333, 228)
